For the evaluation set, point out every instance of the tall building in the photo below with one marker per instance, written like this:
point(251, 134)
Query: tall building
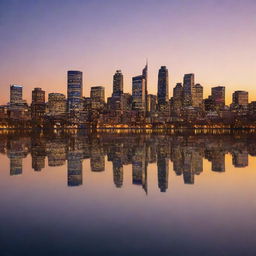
point(57, 104)
point(240, 99)
point(163, 85)
point(218, 95)
point(139, 93)
point(38, 104)
point(188, 89)
point(98, 97)
point(198, 96)
point(18, 109)
point(118, 83)
point(152, 103)
point(75, 90)
point(177, 100)
point(16, 94)
point(145, 75)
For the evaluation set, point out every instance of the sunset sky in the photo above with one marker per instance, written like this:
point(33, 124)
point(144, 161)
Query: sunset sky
point(41, 40)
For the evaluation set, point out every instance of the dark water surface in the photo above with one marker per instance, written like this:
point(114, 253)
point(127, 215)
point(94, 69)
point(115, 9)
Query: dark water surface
point(127, 194)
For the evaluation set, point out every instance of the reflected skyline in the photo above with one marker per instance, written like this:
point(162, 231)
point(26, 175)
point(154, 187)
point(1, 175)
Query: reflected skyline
point(185, 152)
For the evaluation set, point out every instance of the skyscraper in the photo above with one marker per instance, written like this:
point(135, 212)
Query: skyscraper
point(218, 95)
point(16, 94)
point(98, 97)
point(138, 93)
point(188, 89)
point(177, 100)
point(198, 96)
point(38, 103)
point(163, 85)
point(75, 90)
point(145, 76)
point(57, 104)
point(240, 99)
point(118, 83)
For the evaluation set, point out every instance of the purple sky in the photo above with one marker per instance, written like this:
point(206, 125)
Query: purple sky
point(41, 40)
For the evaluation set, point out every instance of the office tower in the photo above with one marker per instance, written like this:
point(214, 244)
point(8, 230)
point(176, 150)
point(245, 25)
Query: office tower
point(139, 93)
point(18, 109)
point(188, 89)
point(145, 75)
point(152, 103)
point(98, 97)
point(163, 86)
point(118, 83)
point(38, 104)
point(75, 90)
point(177, 99)
point(98, 93)
point(240, 99)
point(178, 92)
point(198, 96)
point(218, 95)
point(209, 104)
point(16, 94)
point(57, 104)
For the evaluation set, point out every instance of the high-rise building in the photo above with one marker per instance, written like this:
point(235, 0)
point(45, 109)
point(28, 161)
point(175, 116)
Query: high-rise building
point(188, 89)
point(16, 94)
point(98, 97)
point(139, 93)
point(218, 95)
point(38, 104)
point(152, 103)
point(145, 75)
point(177, 100)
point(118, 83)
point(18, 109)
point(163, 85)
point(240, 99)
point(198, 96)
point(75, 90)
point(57, 104)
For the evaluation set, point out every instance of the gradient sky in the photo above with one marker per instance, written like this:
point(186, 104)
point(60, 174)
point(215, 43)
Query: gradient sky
point(40, 40)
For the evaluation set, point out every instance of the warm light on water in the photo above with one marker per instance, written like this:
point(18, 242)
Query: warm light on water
point(101, 194)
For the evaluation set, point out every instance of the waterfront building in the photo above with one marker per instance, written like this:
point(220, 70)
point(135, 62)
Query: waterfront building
point(188, 89)
point(218, 95)
point(74, 90)
point(57, 104)
point(139, 93)
point(38, 106)
point(98, 97)
point(240, 99)
point(163, 86)
point(118, 83)
point(198, 96)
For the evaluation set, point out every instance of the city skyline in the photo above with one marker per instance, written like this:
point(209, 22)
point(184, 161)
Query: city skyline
point(214, 40)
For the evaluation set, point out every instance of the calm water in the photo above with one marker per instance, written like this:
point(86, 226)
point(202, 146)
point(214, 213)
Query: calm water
point(127, 194)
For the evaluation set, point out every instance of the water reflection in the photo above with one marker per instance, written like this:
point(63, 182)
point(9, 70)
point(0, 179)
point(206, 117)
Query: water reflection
point(185, 151)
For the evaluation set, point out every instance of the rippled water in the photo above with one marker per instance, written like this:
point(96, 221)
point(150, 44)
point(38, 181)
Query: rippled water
point(127, 194)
